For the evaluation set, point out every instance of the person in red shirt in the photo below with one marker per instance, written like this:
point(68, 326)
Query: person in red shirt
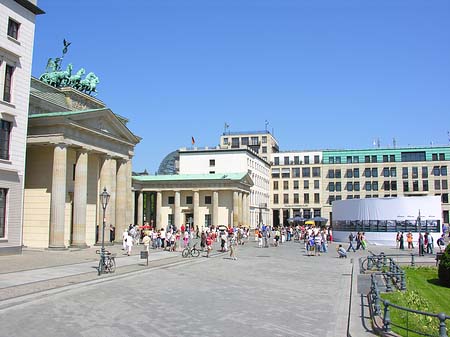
point(209, 242)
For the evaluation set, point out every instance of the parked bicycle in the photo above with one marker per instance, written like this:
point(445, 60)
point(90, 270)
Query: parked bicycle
point(107, 263)
point(191, 251)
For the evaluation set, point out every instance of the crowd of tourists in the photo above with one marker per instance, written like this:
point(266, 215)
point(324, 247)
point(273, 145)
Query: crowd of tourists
point(425, 242)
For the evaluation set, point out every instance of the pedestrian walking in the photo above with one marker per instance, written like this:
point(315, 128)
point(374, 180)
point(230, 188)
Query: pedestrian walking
point(350, 240)
point(233, 248)
point(146, 241)
point(124, 239)
point(129, 241)
point(112, 234)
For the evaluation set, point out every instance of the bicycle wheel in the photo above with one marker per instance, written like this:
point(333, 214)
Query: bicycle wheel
point(111, 265)
point(195, 252)
point(185, 252)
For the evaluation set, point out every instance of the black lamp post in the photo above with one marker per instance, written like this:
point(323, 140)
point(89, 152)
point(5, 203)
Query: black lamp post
point(104, 198)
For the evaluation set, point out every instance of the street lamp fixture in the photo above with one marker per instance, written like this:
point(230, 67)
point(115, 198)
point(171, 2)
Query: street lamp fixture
point(104, 199)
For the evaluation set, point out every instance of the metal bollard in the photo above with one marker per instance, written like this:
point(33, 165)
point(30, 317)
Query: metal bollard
point(412, 260)
point(402, 280)
point(442, 327)
point(388, 283)
point(377, 301)
point(387, 317)
point(384, 259)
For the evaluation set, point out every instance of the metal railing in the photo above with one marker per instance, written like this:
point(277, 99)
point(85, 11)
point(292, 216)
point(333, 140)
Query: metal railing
point(375, 302)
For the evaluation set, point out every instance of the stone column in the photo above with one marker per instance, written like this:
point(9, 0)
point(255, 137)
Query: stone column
point(235, 208)
point(130, 194)
point(247, 221)
point(177, 212)
point(105, 182)
point(215, 215)
point(58, 199)
point(140, 208)
point(198, 222)
point(159, 197)
point(241, 213)
point(80, 200)
point(280, 216)
point(121, 196)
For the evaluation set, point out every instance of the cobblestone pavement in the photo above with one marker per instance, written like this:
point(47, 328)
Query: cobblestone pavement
point(266, 292)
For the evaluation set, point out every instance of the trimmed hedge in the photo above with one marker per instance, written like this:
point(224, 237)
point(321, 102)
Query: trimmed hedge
point(444, 268)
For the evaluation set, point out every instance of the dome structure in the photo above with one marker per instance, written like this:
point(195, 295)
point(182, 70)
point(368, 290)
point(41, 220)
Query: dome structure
point(170, 164)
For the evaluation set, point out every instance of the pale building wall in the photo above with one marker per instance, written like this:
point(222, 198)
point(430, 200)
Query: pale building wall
point(38, 195)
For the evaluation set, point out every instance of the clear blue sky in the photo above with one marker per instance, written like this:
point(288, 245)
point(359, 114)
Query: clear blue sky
point(324, 73)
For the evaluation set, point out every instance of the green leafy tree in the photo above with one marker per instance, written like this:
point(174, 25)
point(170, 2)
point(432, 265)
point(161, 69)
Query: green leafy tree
point(444, 268)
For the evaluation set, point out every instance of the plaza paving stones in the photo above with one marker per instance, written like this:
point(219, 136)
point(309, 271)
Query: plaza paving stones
point(266, 292)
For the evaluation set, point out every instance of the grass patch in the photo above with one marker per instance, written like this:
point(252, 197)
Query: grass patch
point(424, 294)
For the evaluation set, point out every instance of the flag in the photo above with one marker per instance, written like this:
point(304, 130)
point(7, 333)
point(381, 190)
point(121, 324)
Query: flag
point(192, 140)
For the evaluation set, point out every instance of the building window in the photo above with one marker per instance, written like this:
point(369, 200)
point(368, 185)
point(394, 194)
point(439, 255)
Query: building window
point(264, 149)
point(434, 156)
point(367, 172)
point(338, 188)
point(374, 172)
point(338, 160)
point(207, 200)
point(208, 222)
point(437, 184)
point(316, 160)
point(349, 173)
point(386, 172)
point(9, 70)
point(331, 160)
point(444, 185)
point(276, 173)
point(367, 159)
point(441, 156)
point(306, 198)
point(425, 185)
point(296, 160)
point(235, 142)
point(286, 160)
point(436, 171)
point(13, 29)
point(296, 198)
point(386, 186)
point(405, 186)
point(212, 172)
point(392, 158)
point(276, 161)
point(285, 173)
point(296, 172)
point(285, 185)
point(5, 133)
point(424, 172)
point(264, 139)
point(413, 156)
point(415, 185)
point(275, 185)
point(355, 159)
point(286, 198)
point(443, 170)
point(368, 186)
point(171, 200)
point(405, 173)
point(415, 172)
point(385, 158)
point(225, 141)
point(316, 184)
point(394, 185)
point(375, 185)
point(331, 174)
point(306, 159)
point(393, 172)
point(189, 200)
point(330, 199)
point(244, 140)
point(356, 172)
point(275, 198)
point(374, 159)
point(306, 172)
point(296, 185)
point(316, 198)
point(254, 141)
point(212, 162)
point(356, 186)
point(331, 187)
point(306, 184)
point(316, 171)
point(349, 159)
point(444, 198)
point(349, 186)
point(3, 193)
point(337, 174)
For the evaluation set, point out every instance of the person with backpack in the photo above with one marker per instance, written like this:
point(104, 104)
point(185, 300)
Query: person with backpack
point(351, 237)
